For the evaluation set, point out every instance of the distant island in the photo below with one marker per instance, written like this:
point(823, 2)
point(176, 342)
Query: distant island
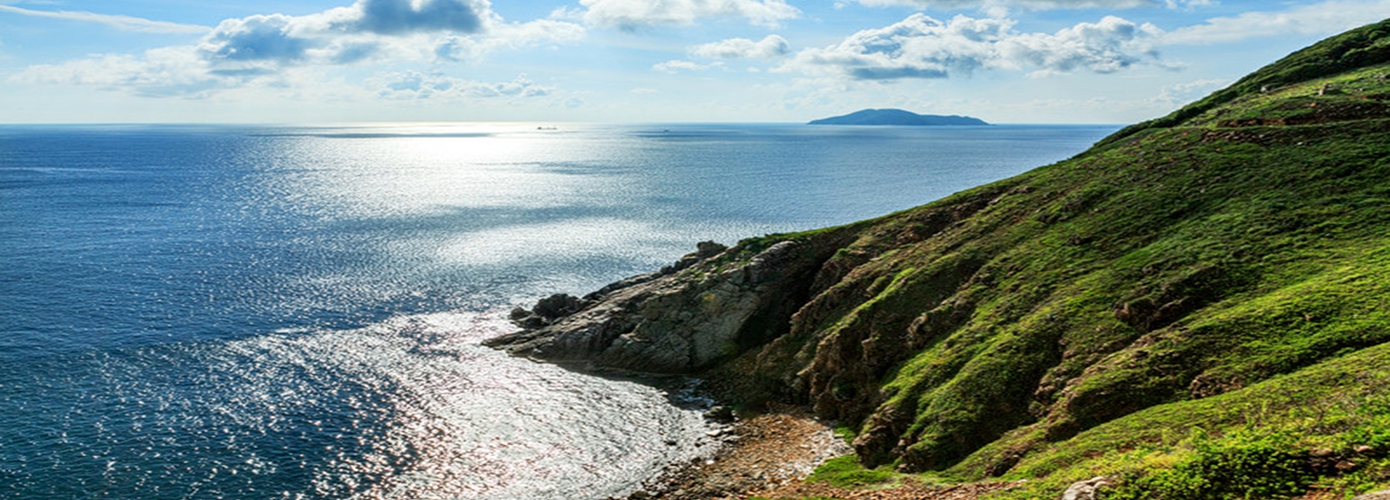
point(897, 117)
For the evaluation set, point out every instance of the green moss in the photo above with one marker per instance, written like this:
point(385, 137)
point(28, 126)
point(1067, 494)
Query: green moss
point(845, 472)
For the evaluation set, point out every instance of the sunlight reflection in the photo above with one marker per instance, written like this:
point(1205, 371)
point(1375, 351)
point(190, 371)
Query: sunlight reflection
point(417, 170)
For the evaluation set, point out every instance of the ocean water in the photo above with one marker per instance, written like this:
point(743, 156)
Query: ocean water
point(295, 312)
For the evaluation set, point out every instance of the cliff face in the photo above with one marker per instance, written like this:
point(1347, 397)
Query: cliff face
point(711, 306)
point(1243, 238)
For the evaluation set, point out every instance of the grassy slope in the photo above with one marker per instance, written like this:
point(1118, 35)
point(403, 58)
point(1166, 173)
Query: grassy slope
point(1193, 294)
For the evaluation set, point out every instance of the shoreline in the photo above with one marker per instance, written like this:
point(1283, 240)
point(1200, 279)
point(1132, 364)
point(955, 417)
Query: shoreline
point(770, 455)
point(761, 452)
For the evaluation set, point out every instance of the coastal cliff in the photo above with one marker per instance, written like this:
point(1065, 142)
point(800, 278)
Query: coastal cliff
point(1199, 303)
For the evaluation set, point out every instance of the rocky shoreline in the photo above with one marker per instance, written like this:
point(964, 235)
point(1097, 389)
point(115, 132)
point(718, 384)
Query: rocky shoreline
point(770, 454)
point(764, 451)
point(706, 308)
point(643, 324)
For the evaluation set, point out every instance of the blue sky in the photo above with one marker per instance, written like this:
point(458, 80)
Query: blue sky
point(323, 61)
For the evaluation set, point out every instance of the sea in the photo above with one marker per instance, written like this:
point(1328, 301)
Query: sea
point(265, 312)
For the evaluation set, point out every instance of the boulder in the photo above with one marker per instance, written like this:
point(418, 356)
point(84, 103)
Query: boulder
point(557, 306)
point(707, 249)
point(1088, 489)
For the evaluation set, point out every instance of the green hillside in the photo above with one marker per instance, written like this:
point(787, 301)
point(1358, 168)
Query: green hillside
point(1202, 297)
point(1197, 307)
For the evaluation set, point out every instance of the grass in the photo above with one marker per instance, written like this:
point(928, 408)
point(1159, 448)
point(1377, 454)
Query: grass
point(1197, 306)
point(1275, 439)
point(846, 472)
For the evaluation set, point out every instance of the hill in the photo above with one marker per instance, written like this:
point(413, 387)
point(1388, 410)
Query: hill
point(1196, 307)
point(897, 117)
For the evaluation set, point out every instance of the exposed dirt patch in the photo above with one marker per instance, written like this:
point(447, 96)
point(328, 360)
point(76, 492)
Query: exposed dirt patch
point(770, 457)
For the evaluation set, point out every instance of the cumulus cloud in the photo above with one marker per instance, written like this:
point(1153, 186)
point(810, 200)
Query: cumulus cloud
point(1035, 4)
point(238, 51)
point(273, 37)
point(923, 47)
point(1317, 19)
point(393, 17)
point(413, 85)
point(123, 23)
point(769, 47)
point(342, 35)
point(637, 14)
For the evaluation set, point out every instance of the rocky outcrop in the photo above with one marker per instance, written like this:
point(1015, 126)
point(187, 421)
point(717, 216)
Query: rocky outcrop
point(1088, 489)
point(682, 318)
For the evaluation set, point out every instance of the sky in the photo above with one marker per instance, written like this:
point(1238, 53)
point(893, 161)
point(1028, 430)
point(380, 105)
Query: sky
point(646, 61)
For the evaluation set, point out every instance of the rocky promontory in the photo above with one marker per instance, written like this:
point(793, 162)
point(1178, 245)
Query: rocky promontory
point(1197, 307)
point(710, 306)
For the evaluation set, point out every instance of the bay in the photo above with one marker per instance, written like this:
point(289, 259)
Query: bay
point(294, 311)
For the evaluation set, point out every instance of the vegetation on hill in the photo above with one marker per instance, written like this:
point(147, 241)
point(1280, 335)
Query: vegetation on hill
point(1198, 306)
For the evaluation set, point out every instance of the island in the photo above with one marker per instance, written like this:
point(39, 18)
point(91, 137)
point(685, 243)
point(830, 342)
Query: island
point(897, 117)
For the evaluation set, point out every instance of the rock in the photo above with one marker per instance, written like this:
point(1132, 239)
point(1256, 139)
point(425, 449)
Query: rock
point(1087, 490)
point(557, 306)
point(720, 413)
point(704, 250)
point(673, 322)
point(1374, 495)
point(531, 322)
point(707, 249)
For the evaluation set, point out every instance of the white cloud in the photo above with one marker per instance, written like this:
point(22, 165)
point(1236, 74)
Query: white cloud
point(177, 71)
point(675, 65)
point(1318, 19)
point(123, 23)
point(769, 47)
point(413, 85)
point(262, 47)
point(637, 14)
point(922, 47)
point(338, 36)
point(1035, 4)
point(394, 17)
